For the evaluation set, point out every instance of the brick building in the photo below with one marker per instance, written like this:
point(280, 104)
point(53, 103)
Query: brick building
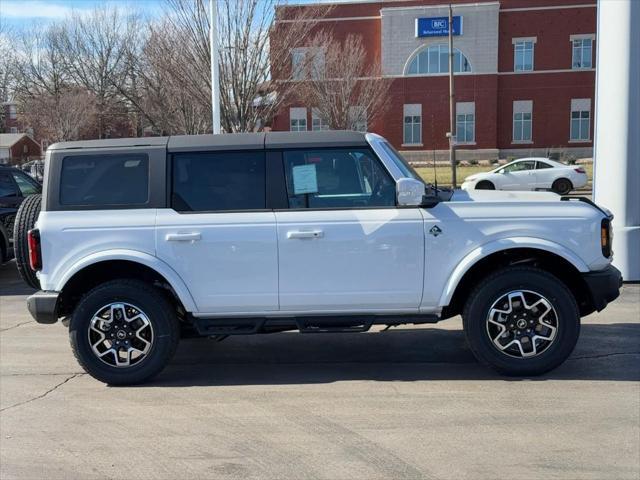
point(524, 74)
point(16, 148)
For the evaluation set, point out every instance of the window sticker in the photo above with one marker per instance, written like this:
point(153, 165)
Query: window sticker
point(305, 179)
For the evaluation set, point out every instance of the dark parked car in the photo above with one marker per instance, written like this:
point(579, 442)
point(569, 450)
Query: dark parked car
point(15, 185)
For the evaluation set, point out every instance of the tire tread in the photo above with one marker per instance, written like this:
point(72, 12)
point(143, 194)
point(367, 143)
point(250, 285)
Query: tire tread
point(130, 284)
point(489, 279)
point(24, 221)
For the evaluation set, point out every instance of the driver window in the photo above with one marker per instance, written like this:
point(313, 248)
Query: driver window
point(519, 166)
point(337, 178)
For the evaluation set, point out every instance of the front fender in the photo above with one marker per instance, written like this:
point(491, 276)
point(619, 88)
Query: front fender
point(506, 244)
point(137, 257)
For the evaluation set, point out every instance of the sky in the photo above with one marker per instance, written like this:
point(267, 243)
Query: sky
point(23, 14)
point(20, 14)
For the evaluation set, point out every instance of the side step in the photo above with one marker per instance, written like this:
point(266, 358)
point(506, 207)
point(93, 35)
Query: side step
point(305, 324)
point(333, 324)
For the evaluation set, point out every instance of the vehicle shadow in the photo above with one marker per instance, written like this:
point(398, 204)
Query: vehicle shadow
point(10, 281)
point(604, 352)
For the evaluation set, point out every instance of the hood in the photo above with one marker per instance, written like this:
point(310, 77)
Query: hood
point(475, 176)
point(500, 196)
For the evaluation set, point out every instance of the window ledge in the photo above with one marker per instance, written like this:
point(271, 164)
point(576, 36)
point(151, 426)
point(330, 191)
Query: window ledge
point(465, 143)
point(521, 142)
point(412, 145)
point(580, 141)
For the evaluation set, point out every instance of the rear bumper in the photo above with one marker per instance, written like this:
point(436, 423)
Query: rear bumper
point(43, 306)
point(603, 285)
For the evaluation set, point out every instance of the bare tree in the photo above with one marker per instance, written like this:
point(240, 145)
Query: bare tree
point(96, 52)
point(178, 65)
point(39, 65)
point(7, 71)
point(48, 100)
point(167, 91)
point(346, 89)
point(67, 116)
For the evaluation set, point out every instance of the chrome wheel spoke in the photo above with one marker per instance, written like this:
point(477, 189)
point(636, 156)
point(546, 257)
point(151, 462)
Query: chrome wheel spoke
point(120, 335)
point(522, 323)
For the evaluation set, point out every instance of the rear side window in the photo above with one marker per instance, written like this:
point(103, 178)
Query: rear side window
point(26, 185)
point(218, 181)
point(100, 180)
point(337, 178)
point(7, 188)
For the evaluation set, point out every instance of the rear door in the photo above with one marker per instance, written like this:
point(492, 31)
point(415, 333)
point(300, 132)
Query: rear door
point(344, 246)
point(218, 234)
point(9, 193)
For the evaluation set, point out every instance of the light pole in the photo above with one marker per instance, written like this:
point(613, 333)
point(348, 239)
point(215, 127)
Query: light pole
point(215, 72)
point(452, 105)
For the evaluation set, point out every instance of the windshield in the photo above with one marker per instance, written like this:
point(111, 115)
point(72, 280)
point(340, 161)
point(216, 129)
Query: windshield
point(400, 161)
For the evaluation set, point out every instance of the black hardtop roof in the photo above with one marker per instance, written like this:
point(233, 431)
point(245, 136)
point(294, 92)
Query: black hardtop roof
point(227, 141)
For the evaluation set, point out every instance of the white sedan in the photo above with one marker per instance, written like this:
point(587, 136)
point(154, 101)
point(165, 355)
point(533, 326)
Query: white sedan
point(529, 174)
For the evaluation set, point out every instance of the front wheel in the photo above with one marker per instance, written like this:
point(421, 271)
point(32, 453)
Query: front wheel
point(485, 185)
point(123, 332)
point(521, 321)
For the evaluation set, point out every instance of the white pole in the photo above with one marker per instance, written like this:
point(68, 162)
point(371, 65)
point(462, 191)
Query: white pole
point(452, 106)
point(616, 183)
point(215, 73)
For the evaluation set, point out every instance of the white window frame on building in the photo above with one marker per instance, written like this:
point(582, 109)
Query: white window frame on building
point(522, 121)
point(358, 118)
point(580, 120)
point(412, 125)
point(434, 60)
point(307, 62)
point(317, 122)
point(13, 130)
point(298, 119)
point(466, 122)
point(521, 46)
point(13, 111)
point(582, 51)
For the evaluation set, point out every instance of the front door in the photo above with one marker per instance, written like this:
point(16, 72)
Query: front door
point(343, 245)
point(519, 176)
point(218, 235)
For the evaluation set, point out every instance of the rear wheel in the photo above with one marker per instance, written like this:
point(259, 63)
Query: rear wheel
point(123, 332)
point(521, 321)
point(24, 221)
point(485, 185)
point(562, 186)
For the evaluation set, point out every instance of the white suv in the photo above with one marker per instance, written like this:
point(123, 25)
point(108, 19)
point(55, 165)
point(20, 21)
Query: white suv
point(141, 239)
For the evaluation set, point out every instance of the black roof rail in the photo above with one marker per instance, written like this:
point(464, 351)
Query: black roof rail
point(589, 201)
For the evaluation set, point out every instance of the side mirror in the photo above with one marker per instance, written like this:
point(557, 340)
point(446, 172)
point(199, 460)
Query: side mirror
point(409, 192)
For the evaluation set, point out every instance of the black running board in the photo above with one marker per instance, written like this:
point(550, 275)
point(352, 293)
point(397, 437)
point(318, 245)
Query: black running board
point(305, 324)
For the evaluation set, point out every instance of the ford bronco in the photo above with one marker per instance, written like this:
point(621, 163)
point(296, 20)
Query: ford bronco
point(137, 242)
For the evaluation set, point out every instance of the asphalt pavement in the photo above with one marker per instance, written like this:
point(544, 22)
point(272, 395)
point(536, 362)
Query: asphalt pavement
point(406, 403)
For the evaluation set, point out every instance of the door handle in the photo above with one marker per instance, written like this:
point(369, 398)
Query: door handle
point(182, 237)
point(305, 234)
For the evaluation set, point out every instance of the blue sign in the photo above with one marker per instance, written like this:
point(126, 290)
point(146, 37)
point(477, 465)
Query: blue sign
point(437, 26)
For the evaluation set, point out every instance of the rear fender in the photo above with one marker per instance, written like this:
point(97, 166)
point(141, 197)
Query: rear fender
point(137, 257)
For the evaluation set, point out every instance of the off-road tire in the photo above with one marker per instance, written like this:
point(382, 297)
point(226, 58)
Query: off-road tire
point(24, 221)
point(496, 285)
point(562, 186)
point(485, 185)
point(160, 313)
